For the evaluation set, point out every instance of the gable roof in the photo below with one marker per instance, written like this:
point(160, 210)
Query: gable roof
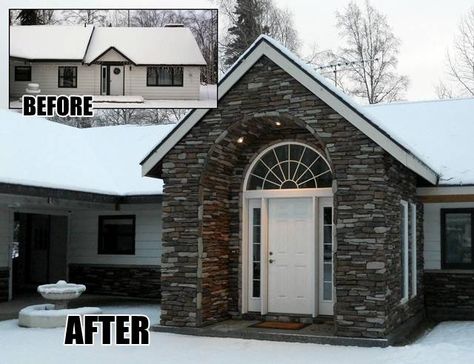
point(314, 82)
point(41, 153)
point(43, 42)
point(439, 131)
point(164, 46)
point(156, 46)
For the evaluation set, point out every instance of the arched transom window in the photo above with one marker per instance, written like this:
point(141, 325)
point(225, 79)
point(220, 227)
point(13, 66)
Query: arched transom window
point(289, 166)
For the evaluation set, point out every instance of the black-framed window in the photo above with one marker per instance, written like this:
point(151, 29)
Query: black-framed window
point(117, 234)
point(457, 249)
point(22, 73)
point(67, 76)
point(164, 76)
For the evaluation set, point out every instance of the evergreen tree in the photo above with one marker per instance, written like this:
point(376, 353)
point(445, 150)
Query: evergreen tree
point(28, 17)
point(245, 29)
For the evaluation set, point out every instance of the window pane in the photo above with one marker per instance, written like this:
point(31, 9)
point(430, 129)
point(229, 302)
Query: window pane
point(22, 73)
point(256, 288)
point(152, 76)
point(178, 76)
point(291, 166)
point(327, 291)
point(256, 251)
point(328, 216)
point(67, 76)
point(458, 238)
point(255, 183)
point(165, 77)
point(404, 251)
point(117, 235)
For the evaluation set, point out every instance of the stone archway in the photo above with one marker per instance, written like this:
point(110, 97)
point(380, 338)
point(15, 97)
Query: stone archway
point(220, 193)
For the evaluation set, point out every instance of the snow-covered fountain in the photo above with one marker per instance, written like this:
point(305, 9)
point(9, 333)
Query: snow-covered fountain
point(54, 314)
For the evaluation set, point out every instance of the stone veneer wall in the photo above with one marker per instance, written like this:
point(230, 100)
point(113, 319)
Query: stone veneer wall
point(449, 295)
point(203, 177)
point(132, 280)
point(4, 278)
point(401, 186)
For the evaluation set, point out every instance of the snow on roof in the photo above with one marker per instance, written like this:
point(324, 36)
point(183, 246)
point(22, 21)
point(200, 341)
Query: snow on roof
point(439, 131)
point(38, 152)
point(140, 45)
point(155, 45)
point(49, 41)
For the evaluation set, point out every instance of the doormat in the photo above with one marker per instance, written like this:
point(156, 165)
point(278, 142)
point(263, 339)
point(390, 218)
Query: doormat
point(279, 325)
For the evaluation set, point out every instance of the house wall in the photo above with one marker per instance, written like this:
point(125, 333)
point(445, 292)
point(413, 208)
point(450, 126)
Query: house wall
point(112, 56)
point(203, 177)
point(84, 230)
point(449, 293)
point(402, 186)
point(46, 75)
point(88, 80)
point(128, 275)
point(135, 84)
point(131, 275)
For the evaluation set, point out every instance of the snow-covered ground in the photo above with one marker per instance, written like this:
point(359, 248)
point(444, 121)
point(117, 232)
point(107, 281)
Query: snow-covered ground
point(207, 100)
point(450, 342)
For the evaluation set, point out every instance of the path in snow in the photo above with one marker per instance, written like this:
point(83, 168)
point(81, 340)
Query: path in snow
point(450, 342)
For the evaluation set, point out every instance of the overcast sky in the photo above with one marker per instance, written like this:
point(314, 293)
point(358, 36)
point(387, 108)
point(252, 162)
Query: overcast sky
point(426, 29)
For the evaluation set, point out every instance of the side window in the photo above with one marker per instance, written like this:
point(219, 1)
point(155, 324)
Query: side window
point(67, 76)
point(164, 76)
point(404, 250)
point(22, 73)
point(413, 251)
point(456, 238)
point(117, 234)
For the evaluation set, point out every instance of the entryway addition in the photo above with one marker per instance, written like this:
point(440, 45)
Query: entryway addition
point(288, 244)
point(112, 80)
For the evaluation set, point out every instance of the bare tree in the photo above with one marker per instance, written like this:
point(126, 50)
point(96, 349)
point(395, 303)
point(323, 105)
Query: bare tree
point(371, 54)
point(154, 18)
point(443, 91)
point(85, 16)
point(113, 117)
point(119, 18)
point(461, 58)
point(203, 24)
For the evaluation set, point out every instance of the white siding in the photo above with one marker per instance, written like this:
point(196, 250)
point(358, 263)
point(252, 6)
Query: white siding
point(5, 236)
point(432, 231)
point(135, 84)
point(112, 56)
point(46, 75)
point(88, 81)
point(84, 237)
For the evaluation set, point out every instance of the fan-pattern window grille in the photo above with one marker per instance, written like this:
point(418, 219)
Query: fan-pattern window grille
point(290, 166)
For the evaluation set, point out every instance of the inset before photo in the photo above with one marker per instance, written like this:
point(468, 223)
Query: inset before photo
point(124, 58)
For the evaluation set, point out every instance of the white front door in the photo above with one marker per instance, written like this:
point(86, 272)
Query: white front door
point(291, 249)
point(116, 80)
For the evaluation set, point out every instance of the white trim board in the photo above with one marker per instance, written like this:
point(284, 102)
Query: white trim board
point(445, 190)
point(264, 46)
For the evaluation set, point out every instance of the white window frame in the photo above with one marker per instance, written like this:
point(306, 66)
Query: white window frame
point(414, 268)
point(405, 257)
